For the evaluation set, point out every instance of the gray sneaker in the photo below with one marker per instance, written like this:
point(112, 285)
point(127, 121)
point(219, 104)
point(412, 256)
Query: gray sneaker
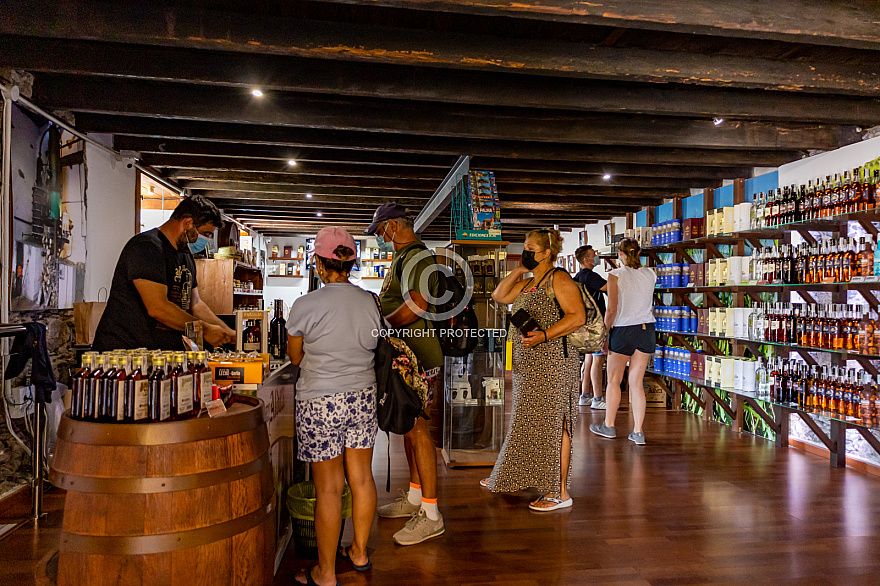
point(598, 404)
point(603, 430)
point(399, 507)
point(418, 529)
point(585, 400)
point(638, 438)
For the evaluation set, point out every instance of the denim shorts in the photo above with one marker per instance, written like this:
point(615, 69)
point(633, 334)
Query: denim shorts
point(327, 425)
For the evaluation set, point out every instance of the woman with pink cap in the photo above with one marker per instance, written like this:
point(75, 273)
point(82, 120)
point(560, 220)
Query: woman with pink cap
point(332, 336)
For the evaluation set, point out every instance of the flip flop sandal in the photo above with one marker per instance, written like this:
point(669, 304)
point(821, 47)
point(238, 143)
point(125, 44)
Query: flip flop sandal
point(484, 483)
point(557, 504)
point(309, 580)
point(343, 553)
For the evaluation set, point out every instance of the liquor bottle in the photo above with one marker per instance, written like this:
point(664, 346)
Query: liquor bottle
point(91, 406)
point(278, 332)
point(812, 404)
point(773, 367)
point(840, 261)
point(78, 384)
point(868, 399)
point(867, 199)
point(802, 387)
point(105, 384)
point(789, 266)
point(851, 395)
point(839, 390)
point(205, 379)
point(875, 348)
point(876, 268)
point(855, 192)
point(252, 337)
point(794, 323)
point(875, 190)
point(160, 392)
point(866, 257)
point(181, 389)
point(115, 391)
point(762, 381)
point(807, 202)
point(135, 404)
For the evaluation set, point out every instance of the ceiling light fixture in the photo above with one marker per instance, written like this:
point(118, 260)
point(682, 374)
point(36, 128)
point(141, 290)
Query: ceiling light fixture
point(717, 121)
point(257, 93)
point(309, 195)
point(318, 214)
point(606, 176)
point(291, 162)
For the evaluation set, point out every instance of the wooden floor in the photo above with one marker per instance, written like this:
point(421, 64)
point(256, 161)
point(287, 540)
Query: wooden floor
point(698, 505)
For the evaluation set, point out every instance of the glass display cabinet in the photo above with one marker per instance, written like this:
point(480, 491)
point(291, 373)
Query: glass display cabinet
point(474, 385)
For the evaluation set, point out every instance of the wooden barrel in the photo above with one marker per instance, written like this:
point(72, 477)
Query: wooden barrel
point(189, 502)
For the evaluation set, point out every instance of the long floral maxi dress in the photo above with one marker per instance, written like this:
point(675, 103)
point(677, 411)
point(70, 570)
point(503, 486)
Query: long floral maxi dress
point(546, 388)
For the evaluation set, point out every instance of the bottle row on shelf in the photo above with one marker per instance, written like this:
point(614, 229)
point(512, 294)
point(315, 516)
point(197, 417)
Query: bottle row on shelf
point(678, 319)
point(126, 386)
point(842, 194)
point(849, 394)
point(828, 261)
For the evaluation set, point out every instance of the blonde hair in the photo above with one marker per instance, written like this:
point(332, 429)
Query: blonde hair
point(548, 238)
point(630, 249)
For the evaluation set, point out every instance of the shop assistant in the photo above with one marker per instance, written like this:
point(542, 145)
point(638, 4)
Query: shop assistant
point(154, 292)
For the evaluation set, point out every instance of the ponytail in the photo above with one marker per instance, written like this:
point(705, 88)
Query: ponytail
point(630, 249)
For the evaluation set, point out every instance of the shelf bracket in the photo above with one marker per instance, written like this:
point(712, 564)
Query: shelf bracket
point(865, 362)
point(770, 421)
point(782, 424)
point(807, 236)
point(721, 403)
point(869, 227)
point(869, 437)
point(836, 444)
point(869, 297)
point(808, 358)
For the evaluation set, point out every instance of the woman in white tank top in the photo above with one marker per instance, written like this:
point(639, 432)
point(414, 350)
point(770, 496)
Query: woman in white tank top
point(631, 340)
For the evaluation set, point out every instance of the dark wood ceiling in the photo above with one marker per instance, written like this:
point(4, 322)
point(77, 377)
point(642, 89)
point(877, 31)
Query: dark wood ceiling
point(375, 99)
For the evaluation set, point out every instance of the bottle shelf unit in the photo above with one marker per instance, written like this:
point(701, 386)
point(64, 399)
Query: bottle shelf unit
point(733, 402)
point(217, 289)
point(292, 258)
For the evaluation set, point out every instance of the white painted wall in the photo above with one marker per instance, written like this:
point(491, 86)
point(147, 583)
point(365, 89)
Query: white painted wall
point(110, 217)
point(843, 159)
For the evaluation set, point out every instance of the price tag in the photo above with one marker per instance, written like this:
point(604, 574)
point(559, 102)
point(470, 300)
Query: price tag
point(216, 408)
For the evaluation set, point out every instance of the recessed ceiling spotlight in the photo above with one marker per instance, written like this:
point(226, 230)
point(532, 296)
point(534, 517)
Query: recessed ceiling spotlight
point(717, 121)
point(309, 195)
point(606, 176)
point(257, 93)
point(318, 214)
point(291, 162)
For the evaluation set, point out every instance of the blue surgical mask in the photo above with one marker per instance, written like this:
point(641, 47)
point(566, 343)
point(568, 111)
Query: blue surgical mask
point(199, 245)
point(384, 246)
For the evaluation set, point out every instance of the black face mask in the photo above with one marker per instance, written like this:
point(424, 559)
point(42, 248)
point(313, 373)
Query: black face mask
point(528, 260)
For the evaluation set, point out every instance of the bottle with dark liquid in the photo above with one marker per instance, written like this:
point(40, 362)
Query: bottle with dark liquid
point(181, 388)
point(278, 332)
point(205, 378)
point(115, 391)
point(160, 391)
point(105, 388)
point(875, 190)
point(91, 405)
point(136, 402)
point(868, 399)
point(78, 384)
point(252, 335)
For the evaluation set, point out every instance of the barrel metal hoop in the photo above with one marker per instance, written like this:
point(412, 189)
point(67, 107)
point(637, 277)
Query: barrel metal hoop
point(154, 434)
point(159, 484)
point(166, 542)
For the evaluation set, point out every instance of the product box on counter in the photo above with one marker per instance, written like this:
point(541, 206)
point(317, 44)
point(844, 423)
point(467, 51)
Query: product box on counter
point(703, 320)
point(698, 365)
point(244, 376)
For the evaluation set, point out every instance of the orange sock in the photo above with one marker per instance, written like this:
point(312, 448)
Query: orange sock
point(415, 493)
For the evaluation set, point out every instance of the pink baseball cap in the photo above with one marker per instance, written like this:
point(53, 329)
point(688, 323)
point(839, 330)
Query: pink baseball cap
point(331, 237)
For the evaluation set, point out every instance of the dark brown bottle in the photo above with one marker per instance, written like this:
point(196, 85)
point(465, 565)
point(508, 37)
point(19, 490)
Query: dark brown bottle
point(91, 406)
point(106, 386)
point(181, 389)
point(115, 391)
point(160, 392)
point(136, 402)
point(78, 387)
point(205, 379)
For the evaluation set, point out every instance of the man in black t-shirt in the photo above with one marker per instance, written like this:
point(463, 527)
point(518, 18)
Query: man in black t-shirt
point(592, 369)
point(154, 292)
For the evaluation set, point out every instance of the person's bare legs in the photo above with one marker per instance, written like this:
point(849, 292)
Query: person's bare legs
point(586, 371)
point(359, 471)
point(564, 463)
point(596, 375)
point(424, 457)
point(411, 460)
point(329, 479)
point(637, 365)
point(614, 372)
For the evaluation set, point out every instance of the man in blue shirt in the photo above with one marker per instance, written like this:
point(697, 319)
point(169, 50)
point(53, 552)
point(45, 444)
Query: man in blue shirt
point(592, 369)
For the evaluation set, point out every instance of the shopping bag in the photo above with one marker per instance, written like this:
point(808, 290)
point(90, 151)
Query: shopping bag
point(86, 316)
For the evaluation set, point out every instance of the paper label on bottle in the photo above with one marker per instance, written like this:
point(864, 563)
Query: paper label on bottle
point(251, 347)
point(206, 385)
point(184, 394)
point(141, 399)
point(120, 400)
point(165, 400)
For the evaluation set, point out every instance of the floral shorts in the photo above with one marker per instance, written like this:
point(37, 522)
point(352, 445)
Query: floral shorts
point(327, 425)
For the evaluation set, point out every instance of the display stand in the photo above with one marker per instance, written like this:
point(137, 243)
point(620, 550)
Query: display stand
point(474, 385)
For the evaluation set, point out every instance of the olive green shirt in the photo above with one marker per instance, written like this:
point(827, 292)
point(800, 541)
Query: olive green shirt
point(419, 335)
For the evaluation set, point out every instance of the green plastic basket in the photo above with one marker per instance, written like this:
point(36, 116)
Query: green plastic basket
point(301, 504)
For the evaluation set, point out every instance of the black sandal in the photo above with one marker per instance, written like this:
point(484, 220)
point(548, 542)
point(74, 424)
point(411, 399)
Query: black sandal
point(309, 580)
point(343, 553)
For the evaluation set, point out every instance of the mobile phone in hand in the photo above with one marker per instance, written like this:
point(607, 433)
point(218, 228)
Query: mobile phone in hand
point(523, 320)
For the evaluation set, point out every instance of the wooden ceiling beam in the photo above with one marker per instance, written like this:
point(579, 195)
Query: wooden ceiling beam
point(557, 170)
point(312, 142)
point(242, 31)
point(840, 23)
point(341, 78)
point(431, 182)
point(127, 97)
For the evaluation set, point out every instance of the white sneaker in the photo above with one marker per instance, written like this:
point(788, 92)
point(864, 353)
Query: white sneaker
point(419, 528)
point(598, 404)
point(585, 400)
point(399, 507)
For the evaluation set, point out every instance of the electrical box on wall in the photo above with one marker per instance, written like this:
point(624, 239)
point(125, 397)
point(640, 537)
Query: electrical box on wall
point(20, 402)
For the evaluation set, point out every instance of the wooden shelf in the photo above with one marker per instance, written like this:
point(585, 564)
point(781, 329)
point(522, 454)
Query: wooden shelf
point(249, 293)
point(287, 258)
point(241, 265)
point(287, 276)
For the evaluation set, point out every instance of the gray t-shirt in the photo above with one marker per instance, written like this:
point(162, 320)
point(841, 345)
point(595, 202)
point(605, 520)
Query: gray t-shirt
point(339, 324)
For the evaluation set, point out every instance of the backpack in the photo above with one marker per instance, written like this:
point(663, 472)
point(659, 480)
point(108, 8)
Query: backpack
point(590, 337)
point(455, 334)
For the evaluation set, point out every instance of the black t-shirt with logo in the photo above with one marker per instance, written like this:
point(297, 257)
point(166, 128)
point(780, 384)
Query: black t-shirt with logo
point(126, 323)
point(594, 284)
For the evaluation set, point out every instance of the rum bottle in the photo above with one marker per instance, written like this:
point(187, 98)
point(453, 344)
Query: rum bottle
point(160, 392)
point(181, 389)
point(135, 404)
point(91, 406)
point(78, 385)
point(205, 379)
